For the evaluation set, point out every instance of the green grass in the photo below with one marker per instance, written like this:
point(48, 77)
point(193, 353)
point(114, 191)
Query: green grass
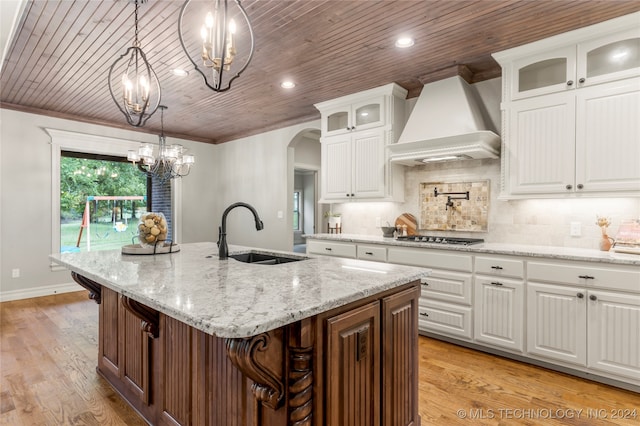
point(103, 235)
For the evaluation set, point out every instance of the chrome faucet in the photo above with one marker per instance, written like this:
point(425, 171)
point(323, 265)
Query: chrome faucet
point(223, 250)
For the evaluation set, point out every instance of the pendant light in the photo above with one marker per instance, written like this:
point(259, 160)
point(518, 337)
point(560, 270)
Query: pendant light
point(132, 77)
point(170, 162)
point(218, 40)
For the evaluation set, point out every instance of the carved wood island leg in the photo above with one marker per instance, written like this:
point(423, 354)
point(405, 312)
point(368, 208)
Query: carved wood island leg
point(174, 374)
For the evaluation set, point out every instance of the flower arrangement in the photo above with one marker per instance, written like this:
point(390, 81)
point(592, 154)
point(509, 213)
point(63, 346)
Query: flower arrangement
point(606, 241)
point(603, 222)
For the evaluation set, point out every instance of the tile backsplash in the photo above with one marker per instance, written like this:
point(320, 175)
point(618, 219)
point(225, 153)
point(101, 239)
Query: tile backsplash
point(538, 222)
point(454, 206)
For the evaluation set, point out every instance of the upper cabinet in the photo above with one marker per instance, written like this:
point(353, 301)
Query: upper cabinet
point(356, 130)
point(361, 115)
point(600, 60)
point(569, 112)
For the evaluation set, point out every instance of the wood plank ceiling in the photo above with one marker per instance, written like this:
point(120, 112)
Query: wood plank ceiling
point(58, 61)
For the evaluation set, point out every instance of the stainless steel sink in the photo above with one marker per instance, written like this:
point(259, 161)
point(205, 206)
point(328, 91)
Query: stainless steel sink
point(264, 259)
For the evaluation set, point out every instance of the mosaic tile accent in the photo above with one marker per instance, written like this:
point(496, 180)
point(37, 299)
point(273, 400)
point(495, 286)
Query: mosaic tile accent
point(462, 215)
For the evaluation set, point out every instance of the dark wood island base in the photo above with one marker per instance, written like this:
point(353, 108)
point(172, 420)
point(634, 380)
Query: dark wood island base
point(353, 365)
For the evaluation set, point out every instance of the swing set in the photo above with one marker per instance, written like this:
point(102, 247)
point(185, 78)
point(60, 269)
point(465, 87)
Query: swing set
point(118, 226)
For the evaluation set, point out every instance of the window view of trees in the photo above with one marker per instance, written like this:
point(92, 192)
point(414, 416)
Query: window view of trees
point(109, 223)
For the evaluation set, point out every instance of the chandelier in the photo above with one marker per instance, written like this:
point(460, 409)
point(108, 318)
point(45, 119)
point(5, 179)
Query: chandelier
point(221, 49)
point(170, 162)
point(139, 87)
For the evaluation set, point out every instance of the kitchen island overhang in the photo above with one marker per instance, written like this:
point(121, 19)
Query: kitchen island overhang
point(270, 326)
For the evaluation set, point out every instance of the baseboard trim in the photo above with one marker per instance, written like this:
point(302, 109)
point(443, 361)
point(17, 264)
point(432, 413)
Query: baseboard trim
point(7, 296)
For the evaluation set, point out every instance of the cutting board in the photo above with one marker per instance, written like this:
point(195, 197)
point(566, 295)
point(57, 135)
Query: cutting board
point(410, 221)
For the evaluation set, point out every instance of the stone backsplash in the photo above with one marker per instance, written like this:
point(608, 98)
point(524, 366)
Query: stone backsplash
point(454, 206)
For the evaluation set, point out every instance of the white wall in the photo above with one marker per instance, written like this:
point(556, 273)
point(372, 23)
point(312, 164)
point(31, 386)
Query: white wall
point(536, 222)
point(257, 170)
point(25, 199)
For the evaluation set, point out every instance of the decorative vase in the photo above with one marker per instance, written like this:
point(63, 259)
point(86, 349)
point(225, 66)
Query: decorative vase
point(605, 242)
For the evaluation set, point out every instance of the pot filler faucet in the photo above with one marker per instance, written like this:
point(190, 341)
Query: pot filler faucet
point(223, 250)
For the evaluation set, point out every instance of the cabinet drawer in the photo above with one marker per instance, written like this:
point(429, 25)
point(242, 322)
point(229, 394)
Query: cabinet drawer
point(448, 286)
point(445, 318)
point(500, 266)
point(331, 248)
point(582, 274)
point(376, 253)
point(430, 258)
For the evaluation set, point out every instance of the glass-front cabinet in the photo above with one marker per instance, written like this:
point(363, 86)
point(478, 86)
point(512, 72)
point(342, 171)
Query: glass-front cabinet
point(358, 116)
point(599, 60)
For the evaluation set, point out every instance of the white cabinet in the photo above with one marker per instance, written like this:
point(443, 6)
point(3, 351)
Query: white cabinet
point(447, 293)
point(354, 116)
point(570, 108)
point(354, 166)
point(592, 320)
point(371, 252)
point(614, 333)
point(331, 248)
point(499, 302)
point(356, 130)
point(593, 61)
point(556, 322)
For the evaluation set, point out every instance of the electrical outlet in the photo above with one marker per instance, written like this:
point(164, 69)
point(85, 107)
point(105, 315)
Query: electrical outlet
point(15, 273)
point(576, 229)
point(377, 222)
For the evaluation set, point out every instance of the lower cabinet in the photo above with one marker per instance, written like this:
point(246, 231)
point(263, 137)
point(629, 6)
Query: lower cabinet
point(590, 328)
point(371, 367)
point(498, 311)
point(331, 248)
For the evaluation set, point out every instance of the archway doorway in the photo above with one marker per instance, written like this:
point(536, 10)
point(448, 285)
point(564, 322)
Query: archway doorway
point(304, 191)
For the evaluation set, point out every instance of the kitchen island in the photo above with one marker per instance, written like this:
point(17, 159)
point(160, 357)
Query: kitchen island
point(187, 338)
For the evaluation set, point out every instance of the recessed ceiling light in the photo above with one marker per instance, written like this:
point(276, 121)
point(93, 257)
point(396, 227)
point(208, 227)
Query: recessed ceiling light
point(287, 84)
point(404, 42)
point(179, 72)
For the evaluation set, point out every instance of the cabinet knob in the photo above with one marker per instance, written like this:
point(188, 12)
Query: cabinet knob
point(579, 295)
point(582, 80)
point(586, 277)
point(424, 314)
point(353, 195)
point(569, 187)
point(498, 283)
point(348, 195)
point(570, 83)
point(580, 186)
point(348, 128)
point(593, 297)
point(496, 267)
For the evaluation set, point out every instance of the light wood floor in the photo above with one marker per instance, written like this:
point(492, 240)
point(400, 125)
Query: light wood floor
point(48, 349)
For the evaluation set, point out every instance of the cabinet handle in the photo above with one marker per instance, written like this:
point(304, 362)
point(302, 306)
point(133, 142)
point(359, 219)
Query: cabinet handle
point(424, 314)
point(328, 248)
point(348, 128)
point(570, 83)
point(369, 253)
point(593, 297)
point(496, 267)
point(361, 350)
point(586, 277)
point(582, 80)
point(426, 284)
point(496, 283)
point(569, 186)
point(580, 186)
point(579, 295)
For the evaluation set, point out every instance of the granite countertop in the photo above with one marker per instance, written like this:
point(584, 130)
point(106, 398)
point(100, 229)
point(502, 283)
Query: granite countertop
point(234, 299)
point(549, 252)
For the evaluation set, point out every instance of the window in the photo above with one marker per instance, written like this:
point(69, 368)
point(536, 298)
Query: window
point(297, 213)
point(101, 200)
point(62, 140)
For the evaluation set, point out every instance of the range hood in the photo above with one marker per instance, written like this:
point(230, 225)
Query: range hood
point(445, 124)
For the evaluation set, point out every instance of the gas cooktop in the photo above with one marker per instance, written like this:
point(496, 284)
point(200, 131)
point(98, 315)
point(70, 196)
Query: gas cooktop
point(441, 240)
